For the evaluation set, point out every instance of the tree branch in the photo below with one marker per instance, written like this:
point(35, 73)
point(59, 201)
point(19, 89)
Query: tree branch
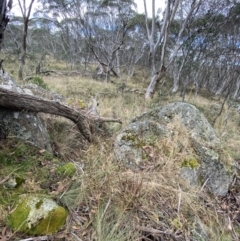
point(19, 101)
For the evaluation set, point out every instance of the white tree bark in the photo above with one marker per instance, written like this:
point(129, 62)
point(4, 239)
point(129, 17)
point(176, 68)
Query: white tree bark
point(158, 75)
point(26, 11)
point(177, 76)
point(237, 90)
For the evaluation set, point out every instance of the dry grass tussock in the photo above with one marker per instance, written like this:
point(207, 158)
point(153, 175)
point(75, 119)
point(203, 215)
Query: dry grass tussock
point(108, 202)
point(112, 103)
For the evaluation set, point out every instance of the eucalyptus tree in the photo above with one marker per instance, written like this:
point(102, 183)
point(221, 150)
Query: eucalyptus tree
point(26, 12)
point(195, 50)
point(158, 37)
point(136, 48)
point(234, 21)
point(42, 42)
point(64, 39)
point(38, 41)
point(229, 46)
point(12, 47)
point(5, 6)
point(219, 34)
point(135, 51)
point(108, 26)
point(96, 31)
point(209, 54)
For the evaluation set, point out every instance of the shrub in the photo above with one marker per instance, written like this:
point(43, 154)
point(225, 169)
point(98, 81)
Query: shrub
point(40, 82)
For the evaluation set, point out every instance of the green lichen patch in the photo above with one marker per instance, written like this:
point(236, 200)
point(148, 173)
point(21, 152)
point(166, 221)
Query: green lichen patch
point(139, 142)
point(129, 137)
point(190, 162)
point(225, 156)
point(37, 215)
point(81, 104)
point(68, 169)
point(77, 103)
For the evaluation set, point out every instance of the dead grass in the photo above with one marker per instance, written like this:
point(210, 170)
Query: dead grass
point(109, 202)
point(147, 205)
point(112, 103)
point(151, 204)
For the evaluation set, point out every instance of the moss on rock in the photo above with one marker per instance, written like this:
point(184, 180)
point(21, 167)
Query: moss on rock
point(190, 162)
point(185, 131)
point(38, 215)
point(67, 170)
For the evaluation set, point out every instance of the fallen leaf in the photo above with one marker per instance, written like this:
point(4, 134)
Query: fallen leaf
point(42, 151)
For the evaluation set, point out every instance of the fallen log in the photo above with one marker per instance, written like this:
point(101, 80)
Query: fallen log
point(19, 101)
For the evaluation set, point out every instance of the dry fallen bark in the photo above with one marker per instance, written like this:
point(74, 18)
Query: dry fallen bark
point(20, 101)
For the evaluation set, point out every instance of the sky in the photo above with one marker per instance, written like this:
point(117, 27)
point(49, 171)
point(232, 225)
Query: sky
point(140, 6)
point(16, 9)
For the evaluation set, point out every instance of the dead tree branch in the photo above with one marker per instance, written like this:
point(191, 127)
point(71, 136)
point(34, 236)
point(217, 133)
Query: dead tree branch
point(20, 101)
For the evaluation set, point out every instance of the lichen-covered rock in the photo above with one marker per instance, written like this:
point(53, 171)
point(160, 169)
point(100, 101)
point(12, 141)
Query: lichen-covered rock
point(22, 124)
point(206, 163)
point(129, 143)
point(37, 215)
point(26, 126)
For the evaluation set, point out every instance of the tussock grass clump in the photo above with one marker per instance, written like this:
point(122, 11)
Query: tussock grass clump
point(106, 200)
point(39, 81)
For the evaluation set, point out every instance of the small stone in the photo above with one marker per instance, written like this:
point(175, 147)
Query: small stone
point(13, 182)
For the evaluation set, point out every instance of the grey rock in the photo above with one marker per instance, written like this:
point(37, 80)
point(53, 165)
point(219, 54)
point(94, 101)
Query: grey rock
point(209, 165)
point(200, 231)
point(192, 119)
point(22, 124)
point(26, 126)
point(130, 141)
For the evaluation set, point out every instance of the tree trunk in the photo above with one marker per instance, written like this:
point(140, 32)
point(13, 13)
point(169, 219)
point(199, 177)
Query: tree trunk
point(20, 65)
point(118, 70)
point(154, 80)
point(38, 67)
point(237, 89)
point(3, 19)
point(168, 18)
point(26, 11)
point(19, 101)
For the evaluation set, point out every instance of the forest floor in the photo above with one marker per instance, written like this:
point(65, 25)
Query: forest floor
point(107, 201)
